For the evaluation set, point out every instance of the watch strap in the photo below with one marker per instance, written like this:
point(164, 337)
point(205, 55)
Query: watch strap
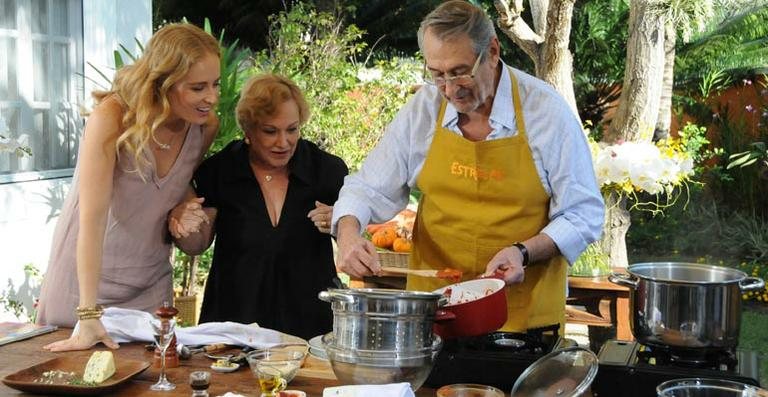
point(524, 251)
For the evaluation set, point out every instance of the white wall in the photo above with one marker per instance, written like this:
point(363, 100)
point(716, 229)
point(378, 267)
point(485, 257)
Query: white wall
point(29, 210)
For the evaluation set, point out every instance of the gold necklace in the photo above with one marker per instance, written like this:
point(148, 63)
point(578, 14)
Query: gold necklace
point(268, 178)
point(164, 146)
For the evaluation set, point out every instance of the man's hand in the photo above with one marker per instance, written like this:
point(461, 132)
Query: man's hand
point(88, 333)
point(509, 263)
point(187, 217)
point(357, 256)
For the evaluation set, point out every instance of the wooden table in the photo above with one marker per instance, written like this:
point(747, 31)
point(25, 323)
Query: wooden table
point(606, 303)
point(312, 378)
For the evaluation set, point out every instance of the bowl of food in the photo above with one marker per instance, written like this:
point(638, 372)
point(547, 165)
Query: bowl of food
point(469, 390)
point(360, 366)
point(285, 363)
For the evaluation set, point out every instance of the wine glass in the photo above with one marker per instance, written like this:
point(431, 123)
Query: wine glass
point(163, 332)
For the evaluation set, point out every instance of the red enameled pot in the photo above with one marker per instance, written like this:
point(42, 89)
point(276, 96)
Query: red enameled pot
point(475, 307)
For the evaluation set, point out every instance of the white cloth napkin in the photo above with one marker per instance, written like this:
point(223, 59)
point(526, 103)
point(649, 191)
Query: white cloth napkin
point(388, 390)
point(126, 325)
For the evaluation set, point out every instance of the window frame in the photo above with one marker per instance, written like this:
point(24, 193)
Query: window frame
point(25, 103)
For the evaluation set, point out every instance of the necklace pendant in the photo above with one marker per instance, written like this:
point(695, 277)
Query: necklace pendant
point(164, 146)
point(268, 177)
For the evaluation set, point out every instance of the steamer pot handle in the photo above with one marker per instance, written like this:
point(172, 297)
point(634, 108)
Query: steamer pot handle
point(751, 283)
point(623, 279)
point(330, 296)
point(442, 316)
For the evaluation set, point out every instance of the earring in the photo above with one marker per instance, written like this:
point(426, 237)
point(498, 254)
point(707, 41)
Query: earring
point(247, 141)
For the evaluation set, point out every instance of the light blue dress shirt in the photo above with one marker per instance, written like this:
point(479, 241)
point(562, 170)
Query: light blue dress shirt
point(560, 151)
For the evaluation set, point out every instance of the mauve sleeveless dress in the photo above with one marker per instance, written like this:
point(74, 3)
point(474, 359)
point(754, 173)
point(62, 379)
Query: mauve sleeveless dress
point(135, 271)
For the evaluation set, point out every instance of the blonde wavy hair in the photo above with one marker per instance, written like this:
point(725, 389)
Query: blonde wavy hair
point(260, 97)
point(143, 86)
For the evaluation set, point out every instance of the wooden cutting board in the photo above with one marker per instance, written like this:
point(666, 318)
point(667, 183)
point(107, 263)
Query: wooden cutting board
point(316, 368)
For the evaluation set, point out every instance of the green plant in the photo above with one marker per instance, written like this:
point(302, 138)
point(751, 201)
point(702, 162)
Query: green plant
point(599, 27)
point(592, 262)
point(318, 52)
point(233, 73)
point(22, 300)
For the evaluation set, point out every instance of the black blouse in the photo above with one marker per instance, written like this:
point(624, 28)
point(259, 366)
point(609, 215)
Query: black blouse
point(265, 274)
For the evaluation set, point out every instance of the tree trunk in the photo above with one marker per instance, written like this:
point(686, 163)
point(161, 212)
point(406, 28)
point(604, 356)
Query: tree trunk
point(556, 66)
point(546, 43)
point(665, 106)
point(638, 108)
point(616, 224)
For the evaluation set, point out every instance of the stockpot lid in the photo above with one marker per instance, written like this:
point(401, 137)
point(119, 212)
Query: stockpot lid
point(694, 387)
point(681, 272)
point(565, 372)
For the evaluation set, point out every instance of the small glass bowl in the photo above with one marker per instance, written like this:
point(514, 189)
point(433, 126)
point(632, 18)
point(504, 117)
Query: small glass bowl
point(287, 362)
point(469, 390)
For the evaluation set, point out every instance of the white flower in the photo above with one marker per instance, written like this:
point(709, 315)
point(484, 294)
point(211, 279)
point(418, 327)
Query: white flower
point(10, 145)
point(369, 74)
point(640, 166)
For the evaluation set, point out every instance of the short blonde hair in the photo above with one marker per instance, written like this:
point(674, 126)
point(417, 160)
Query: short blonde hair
point(262, 94)
point(144, 85)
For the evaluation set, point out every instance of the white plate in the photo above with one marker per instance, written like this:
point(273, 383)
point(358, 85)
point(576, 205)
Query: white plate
point(233, 368)
point(317, 342)
point(319, 353)
point(316, 347)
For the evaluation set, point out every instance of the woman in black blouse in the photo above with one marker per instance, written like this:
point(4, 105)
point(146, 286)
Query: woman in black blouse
point(265, 199)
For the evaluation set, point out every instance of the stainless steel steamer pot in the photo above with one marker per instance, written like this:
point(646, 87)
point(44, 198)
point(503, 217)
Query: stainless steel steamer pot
point(382, 319)
point(686, 305)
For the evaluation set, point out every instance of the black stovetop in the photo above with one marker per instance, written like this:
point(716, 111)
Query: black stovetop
point(627, 369)
point(634, 370)
point(495, 359)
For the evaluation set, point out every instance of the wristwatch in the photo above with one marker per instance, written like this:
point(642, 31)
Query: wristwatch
point(524, 251)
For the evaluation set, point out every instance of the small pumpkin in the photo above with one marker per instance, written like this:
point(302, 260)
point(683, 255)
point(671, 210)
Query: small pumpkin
point(402, 245)
point(384, 237)
point(375, 227)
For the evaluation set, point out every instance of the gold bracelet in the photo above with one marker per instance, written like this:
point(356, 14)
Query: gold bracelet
point(87, 313)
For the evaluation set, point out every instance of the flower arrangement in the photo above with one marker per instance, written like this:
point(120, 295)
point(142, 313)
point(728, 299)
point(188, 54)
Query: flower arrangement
point(659, 168)
point(10, 145)
point(626, 170)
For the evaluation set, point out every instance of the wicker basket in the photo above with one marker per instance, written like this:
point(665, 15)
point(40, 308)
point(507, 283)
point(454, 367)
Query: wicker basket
point(394, 259)
point(189, 309)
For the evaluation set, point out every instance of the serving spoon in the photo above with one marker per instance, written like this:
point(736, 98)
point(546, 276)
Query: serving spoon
point(447, 273)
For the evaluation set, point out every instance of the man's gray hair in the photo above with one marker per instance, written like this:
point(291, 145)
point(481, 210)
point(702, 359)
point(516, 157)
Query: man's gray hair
point(455, 18)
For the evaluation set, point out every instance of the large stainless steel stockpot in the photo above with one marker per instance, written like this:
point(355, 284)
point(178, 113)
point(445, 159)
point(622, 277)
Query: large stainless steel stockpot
point(382, 319)
point(686, 305)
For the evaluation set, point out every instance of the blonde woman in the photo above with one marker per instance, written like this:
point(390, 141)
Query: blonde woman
point(140, 147)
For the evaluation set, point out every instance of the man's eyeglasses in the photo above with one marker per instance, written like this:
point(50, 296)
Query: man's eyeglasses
point(462, 79)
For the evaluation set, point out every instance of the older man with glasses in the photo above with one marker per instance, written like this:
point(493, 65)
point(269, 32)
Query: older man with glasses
point(503, 166)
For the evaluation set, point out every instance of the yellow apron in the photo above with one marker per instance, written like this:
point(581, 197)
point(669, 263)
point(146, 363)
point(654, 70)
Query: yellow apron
point(480, 197)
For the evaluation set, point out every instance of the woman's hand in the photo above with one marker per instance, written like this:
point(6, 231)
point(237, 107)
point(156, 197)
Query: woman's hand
point(321, 216)
point(187, 217)
point(87, 334)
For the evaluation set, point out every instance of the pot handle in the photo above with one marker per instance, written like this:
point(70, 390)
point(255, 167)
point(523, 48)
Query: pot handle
point(442, 316)
point(751, 283)
point(330, 296)
point(623, 279)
